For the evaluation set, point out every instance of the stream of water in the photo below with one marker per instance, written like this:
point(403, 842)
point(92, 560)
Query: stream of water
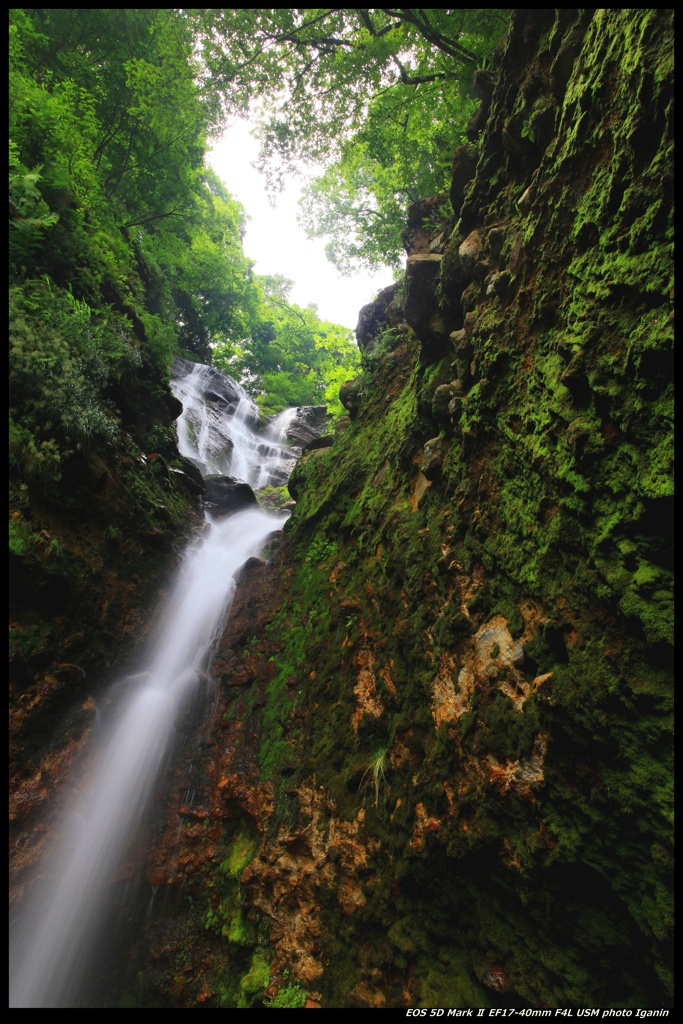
point(52, 944)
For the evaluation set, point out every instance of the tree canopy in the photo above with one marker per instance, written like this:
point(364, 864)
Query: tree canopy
point(292, 357)
point(379, 96)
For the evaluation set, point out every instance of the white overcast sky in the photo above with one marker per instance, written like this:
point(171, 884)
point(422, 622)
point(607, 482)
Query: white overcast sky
point(277, 243)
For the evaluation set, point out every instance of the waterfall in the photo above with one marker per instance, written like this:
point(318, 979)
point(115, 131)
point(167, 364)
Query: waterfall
point(280, 424)
point(219, 435)
point(52, 945)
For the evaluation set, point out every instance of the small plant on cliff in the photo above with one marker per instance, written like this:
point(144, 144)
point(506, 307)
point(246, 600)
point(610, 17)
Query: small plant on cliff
point(527, 131)
point(291, 997)
point(375, 772)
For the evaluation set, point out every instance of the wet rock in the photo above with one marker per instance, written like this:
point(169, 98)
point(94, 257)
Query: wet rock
point(342, 424)
point(461, 343)
point(443, 397)
point(220, 391)
point(434, 453)
point(218, 448)
point(469, 252)
point(421, 308)
point(491, 284)
point(181, 367)
point(476, 123)
point(462, 171)
point(425, 222)
point(513, 142)
point(350, 395)
point(219, 388)
point(272, 543)
point(376, 316)
point(516, 260)
point(470, 297)
point(496, 240)
point(454, 279)
point(319, 442)
point(563, 65)
point(189, 480)
point(225, 494)
point(278, 475)
point(485, 388)
point(470, 321)
point(253, 563)
point(527, 199)
point(481, 270)
point(484, 82)
point(250, 566)
point(455, 409)
point(155, 537)
point(544, 127)
point(502, 286)
point(308, 424)
point(193, 468)
point(175, 406)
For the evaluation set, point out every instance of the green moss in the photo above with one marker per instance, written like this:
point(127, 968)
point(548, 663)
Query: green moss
point(273, 498)
point(20, 537)
point(401, 936)
point(242, 852)
point(655, 615)
point(447, 981)
point(255, 981)
point(240, 931)
point(290, 997)
point(226, 915)
point(555, 502)
point(29, 640)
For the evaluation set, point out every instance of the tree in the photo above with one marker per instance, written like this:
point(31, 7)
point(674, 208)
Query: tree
point(123, 245)
point(113, 208)
point(290, 357)
point(105, 103)
point(380, 95)
point(398, 156)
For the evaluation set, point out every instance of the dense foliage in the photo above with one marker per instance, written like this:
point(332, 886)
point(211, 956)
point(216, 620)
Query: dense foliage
point(380, 96)
point(291, 357)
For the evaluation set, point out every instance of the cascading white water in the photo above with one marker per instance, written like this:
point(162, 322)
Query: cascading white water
point(226, 444)
point(280, 424)
point(52, 944)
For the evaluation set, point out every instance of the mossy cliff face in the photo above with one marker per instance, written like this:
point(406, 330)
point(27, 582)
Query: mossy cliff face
point(443, 736)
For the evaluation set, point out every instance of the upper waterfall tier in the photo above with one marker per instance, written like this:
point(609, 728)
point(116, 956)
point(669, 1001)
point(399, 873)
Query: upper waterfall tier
point(218, 428)
point(221, 431)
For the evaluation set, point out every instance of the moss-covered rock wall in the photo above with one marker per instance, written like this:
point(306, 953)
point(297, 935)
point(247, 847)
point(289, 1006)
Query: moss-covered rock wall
point(443, 735)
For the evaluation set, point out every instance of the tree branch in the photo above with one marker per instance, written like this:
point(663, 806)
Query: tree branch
point(153, 217)
point(449, 46)
point(418, 79)
point(281, 302)
point(377, 33)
